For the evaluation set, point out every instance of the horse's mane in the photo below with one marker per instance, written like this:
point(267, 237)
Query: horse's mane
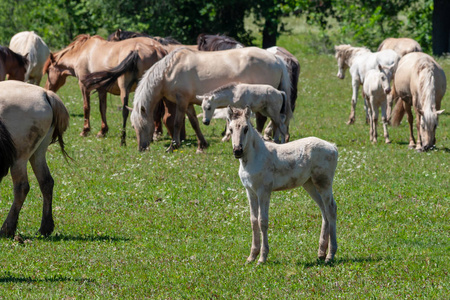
point(166, 41)
point(124, 35)
point(348, 51)
point(209, 42)
point(222, 88)
point(6, 53)
point(425, 72)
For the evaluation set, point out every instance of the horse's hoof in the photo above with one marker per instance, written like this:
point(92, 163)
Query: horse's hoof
point(84, 133)
point(200, 151)
point(388, 141)
point(101, 135)
point(350, 122)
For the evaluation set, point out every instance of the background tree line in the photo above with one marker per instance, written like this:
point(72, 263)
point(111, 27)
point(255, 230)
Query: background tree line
point(360, 22)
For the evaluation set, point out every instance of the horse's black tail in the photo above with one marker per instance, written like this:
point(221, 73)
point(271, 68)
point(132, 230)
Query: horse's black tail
point(283, 107)
point(105, 79)
point(8, 152)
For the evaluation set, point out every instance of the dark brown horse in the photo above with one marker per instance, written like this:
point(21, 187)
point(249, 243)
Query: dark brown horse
point(123, 64)
point(12, 64)
point(209, 42)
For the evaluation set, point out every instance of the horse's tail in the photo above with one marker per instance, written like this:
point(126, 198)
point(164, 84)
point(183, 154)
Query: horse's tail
point(8, 152)
point(105, 79)
point(397, 113)
point(285, 84)
point(283, 106)
point(60, 120)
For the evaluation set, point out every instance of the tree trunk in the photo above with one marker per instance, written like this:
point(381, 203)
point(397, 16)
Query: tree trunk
point(441, 27)
point(270, 33)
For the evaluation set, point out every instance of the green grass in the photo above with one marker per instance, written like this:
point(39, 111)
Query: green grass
point(171, 226)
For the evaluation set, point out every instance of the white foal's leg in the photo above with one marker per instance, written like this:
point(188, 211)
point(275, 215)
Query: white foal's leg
point(384, 119)
point(375, 112)
point(256, 232)
point(355, 87)
point(263, 221)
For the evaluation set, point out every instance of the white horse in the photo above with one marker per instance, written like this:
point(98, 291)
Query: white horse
point(31, 118)
point(375, 89)
point(266, 167)
point(261, 98)
point(360, 60)
point(30, 45)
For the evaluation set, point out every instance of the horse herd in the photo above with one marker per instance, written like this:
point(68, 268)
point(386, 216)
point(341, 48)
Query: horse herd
point(169, 78)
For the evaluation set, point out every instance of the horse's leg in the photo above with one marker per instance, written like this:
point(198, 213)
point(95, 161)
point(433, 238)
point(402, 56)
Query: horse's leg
point(263, 221)
point(384, 119)
point(227, 133)
point(86, 109)
point(169, 119)
point(355, 87)
point(202, 144)
point(260, 121)
point(256, 232)
point(158, 116)
point(412, 140)
point(21, 189)
point(102, 104)
point(375, 113)
point(181, 109)
point(389, 106)
point(45, 179)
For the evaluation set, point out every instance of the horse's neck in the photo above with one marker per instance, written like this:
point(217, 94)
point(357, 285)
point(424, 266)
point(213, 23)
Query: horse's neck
point(255, 149)
point(354, 53)
point(224, 98)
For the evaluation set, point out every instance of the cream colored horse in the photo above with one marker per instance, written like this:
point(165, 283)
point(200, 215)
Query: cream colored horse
point(421, 83)
point(30, 45)
point(33, 118)
point(375, 90)
point(266, 167)
point(261, 98)
point(360, 60)
point(184, 73)
point(400, 45)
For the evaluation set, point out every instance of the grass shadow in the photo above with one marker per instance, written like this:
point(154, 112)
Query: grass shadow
point(340, 261)
point(8, 278)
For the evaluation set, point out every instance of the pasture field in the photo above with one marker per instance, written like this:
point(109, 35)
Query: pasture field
point(176, 226)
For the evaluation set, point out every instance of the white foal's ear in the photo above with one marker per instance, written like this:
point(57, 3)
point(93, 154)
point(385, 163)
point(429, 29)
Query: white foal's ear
point(440, 112)
point(248, 112)
point(229, 112)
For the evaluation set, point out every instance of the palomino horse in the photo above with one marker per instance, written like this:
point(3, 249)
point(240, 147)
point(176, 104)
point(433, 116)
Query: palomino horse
point(12, 64)
point(184, 73)
point(266, 167)
point(400, 45)
point(30, 45)
point(208, 42)
point(421, 83)
point(375, 90)
point(31, 118)
point(360, 60)
point(121, 63)
point(261, 98)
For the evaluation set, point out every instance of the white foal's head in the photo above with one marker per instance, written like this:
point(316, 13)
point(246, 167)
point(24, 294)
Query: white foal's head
point(239, 126)
point(208, 107)
point(384, 79)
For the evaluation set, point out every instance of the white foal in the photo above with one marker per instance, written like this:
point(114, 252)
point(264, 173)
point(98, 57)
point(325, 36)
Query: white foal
point(266, 167)
point(376, 88)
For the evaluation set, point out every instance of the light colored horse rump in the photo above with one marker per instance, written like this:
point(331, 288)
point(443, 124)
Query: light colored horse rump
point(261, 98)
point(421, 83)
point(375, 90)
point(266, 167)
point(360, 60)
point(400, 45)
point(183, 74)
point(30, 45)
point(113, 67)
point(34, 118)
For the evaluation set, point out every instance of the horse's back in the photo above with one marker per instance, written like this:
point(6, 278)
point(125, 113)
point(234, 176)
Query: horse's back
point(26, 113)
point(400, 45)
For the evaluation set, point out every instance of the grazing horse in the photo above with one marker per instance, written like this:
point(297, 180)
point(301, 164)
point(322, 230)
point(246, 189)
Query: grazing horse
point(207, 42)
point(261, 98)
point(184, 73)
point(266, 167)
point(30, 45)
point(375, 90)
point(117, 66)
point(31, 118)
point(420, 82)
point(400, 45)
point(360, 60)
point(12, 64)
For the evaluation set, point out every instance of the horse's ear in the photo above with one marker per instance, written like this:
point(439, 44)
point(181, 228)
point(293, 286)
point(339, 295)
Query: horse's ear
point(199, 98)
point(229, 112)
point(66, 73)
point(129, 108)
point(440, 112)
point(420, 111)
point(248, 112)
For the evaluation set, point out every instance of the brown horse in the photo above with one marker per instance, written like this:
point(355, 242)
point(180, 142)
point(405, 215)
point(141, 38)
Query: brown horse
point(184, 73)
point(31, 118)
point(419, 82)
point(12, 64)
point(123, 63)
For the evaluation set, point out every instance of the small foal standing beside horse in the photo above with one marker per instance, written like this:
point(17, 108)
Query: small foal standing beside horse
point(266, 167)
point(261, 98)
point(31, 118)
point(12, 64)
